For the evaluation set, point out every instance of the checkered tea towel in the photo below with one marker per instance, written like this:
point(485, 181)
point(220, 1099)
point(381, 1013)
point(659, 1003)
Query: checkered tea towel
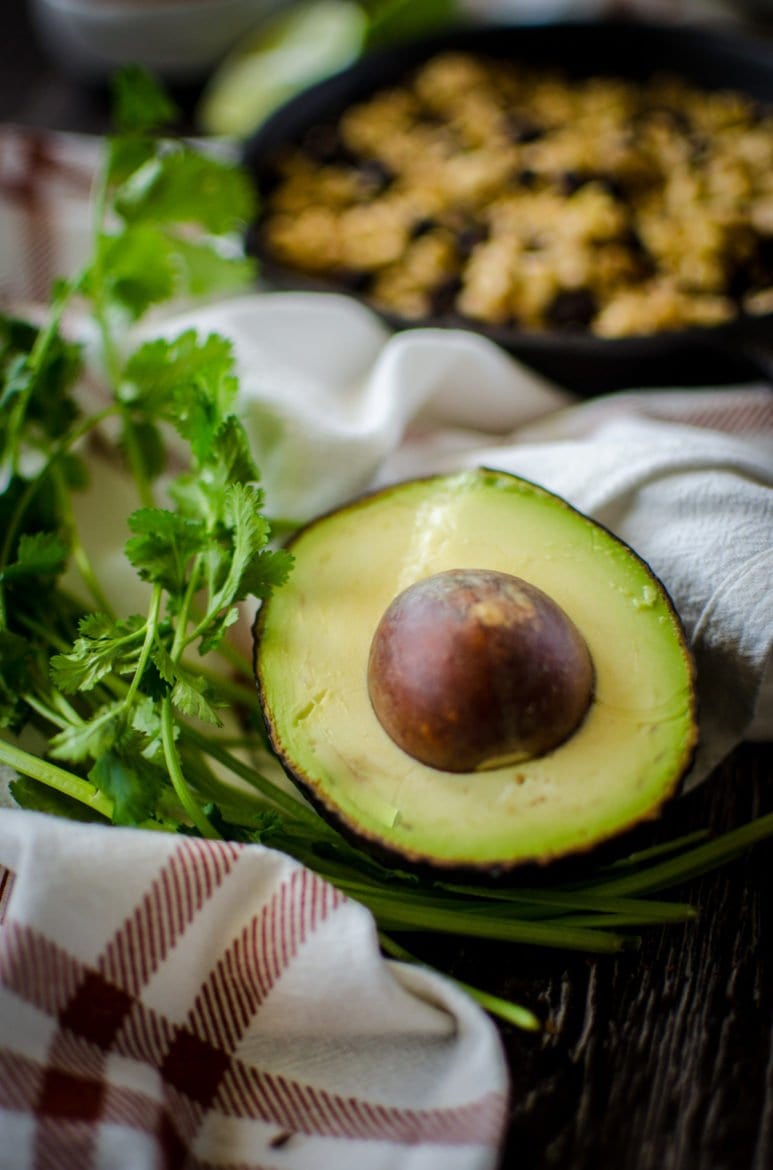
point(168, 1003)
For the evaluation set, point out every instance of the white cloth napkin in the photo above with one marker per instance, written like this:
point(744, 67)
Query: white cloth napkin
point(166, 1001)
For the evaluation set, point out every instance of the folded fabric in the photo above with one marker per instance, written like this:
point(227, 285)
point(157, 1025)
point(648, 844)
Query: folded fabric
point(168, 1001)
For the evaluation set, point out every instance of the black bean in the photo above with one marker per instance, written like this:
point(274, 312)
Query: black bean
point(753, 272)
point(375, 174)
point(646, 265)
point(324, 144)
point(523, 129)
point(421, 227)
point(572, 309)
point(526, 177)
point(765, 258)
point(571, 181)
point(469, 237)
point(444, 295)
point(355, 280)
point(677, 119)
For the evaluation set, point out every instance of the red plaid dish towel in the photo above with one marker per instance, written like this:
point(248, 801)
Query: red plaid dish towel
point(167, 1002)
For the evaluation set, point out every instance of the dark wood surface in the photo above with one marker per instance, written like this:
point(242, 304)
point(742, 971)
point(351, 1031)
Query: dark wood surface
point(661, 1059)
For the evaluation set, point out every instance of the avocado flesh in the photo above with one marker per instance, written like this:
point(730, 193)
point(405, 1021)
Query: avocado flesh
point(312, 646)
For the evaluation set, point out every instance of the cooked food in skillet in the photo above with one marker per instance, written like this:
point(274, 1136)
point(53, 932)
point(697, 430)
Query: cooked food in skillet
point(523, 197)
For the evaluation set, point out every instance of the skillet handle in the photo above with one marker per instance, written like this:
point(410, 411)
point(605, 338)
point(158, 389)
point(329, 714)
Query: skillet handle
point(754, 339)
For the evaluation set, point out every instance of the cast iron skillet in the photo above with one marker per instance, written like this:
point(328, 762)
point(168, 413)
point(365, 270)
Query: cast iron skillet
point(737, 351)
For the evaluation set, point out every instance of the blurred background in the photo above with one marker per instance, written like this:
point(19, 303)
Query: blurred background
point(230, 62)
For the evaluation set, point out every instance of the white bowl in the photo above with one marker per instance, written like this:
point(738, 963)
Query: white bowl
point(180, 40)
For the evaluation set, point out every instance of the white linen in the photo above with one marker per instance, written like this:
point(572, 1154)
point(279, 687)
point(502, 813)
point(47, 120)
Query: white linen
point(166, 1000)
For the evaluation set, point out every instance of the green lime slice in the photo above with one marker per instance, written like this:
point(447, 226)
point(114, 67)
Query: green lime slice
point(287, 54)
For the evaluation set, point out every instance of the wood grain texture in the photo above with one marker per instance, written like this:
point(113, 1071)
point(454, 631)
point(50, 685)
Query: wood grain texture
point(662, 1058)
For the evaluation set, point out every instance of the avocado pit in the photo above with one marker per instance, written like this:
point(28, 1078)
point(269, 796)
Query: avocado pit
point(471, 669)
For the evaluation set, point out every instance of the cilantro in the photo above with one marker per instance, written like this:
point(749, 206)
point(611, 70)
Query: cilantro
point(32, 794)
point(103, 646)
point(180, 187)
point(14, 669)
point(162, 546)
point(132, 784)
point(110, 691)
point(392, 21)
point(40, 554)
point(135, 270)
point(140, 105)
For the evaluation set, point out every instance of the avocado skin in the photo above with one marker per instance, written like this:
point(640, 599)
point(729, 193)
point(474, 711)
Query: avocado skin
point(413, 858)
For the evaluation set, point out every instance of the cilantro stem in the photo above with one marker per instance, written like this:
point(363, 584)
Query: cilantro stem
point(61, 447)
point(46, 712)
point(396, 912)
point(110, 355)
point(181, 637)
point(556, 903)
point(179, 782)
point(37, 356)
point(495, 1005)
point(642, 856)
point(65, 708)
point(511, 1013)
point(693, 862)
point(55, 777)
point(151, 630)
point(289, 804)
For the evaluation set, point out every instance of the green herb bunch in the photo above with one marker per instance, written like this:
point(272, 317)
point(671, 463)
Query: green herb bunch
point(118, 717)
point(111, 700)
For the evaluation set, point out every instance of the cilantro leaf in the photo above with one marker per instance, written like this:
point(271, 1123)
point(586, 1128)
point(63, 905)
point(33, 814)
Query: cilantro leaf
point(162, 375)
point(127, 153)
point(205, 270)
point(162, 546)
point(35, 391)
point(190, 692)
point(267, 572)
point(81, 741)
point(132, 783)
point(146, 720)
point(150, 447)
point(249, 532)
point(399, 20)
point(215, 630)
point(231, 453)
point(139, 103)
point(15, 660)
point(166, 218)
point(181, 186)
point(104, 645)
point(39, 555)
point(135, 268)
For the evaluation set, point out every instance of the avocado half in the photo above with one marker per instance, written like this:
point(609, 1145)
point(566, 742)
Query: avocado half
point(313, 642)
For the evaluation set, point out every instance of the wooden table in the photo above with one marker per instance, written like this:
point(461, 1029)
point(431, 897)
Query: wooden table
point(661, 1059)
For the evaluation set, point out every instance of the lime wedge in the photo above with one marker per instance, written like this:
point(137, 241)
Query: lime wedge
point(284, 56)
